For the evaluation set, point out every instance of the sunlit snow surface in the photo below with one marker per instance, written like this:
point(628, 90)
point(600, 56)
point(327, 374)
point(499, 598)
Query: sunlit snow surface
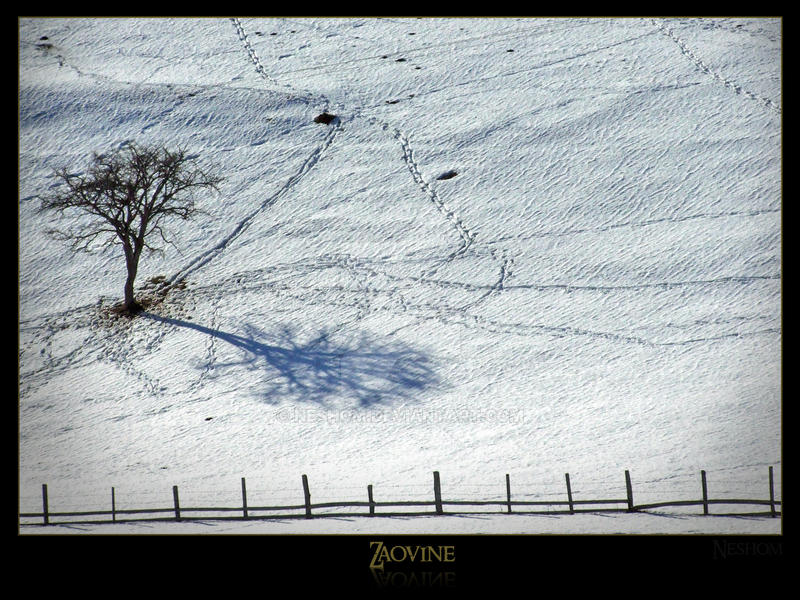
point(598, 288)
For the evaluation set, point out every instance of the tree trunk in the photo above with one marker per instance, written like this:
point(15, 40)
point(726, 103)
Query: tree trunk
point(132, 262)
point(131, 305)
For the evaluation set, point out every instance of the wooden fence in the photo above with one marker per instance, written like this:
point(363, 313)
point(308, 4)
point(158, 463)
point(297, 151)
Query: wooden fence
point(373, 508)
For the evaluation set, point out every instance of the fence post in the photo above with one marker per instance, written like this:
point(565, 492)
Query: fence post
point(629, 489)
point(437, 493)
point(176, 502)
point(44, 505)
point(371, 501)
point(244, 499)
point(771, 493)
point(508, 491)
point(113, 507)
point(705, 492)
point(569, 495)
point(307, 495)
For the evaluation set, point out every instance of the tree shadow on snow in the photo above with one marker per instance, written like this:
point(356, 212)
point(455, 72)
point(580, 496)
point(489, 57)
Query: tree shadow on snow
point(364, 370)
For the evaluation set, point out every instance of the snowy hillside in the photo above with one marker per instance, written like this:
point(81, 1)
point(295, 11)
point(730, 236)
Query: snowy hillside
point(593, 286)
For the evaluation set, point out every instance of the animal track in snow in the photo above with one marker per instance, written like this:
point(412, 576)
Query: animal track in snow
point(307, 165)
point(307, 95)
point(686, 51)
point(467, 236)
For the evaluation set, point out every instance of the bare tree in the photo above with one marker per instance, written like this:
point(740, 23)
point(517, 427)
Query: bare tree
point(130, 195)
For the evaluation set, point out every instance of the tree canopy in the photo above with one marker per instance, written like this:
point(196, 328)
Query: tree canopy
point(130, 194)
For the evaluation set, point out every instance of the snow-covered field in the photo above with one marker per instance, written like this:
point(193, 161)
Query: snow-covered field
point(597, 288)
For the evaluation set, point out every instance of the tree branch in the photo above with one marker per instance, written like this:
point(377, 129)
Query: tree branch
point(129, 195)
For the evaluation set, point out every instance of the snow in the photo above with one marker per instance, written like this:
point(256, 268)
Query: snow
point(597, 289)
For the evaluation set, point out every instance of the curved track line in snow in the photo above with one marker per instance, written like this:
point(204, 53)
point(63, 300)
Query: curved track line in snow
point(252, 53)
point(686, 51)
point(452, 315)
point(309, 164)
point(495, 288)
point(100, 344)
point(506, 272)
point(368, 296)
point(467, 236)
point(451, 45)
point(632, 224)
point(457, 317)
point(210, 353)
point(263, 72)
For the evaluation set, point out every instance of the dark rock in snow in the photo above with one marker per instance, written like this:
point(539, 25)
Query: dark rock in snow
point(448, 175)
point(324, 118)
